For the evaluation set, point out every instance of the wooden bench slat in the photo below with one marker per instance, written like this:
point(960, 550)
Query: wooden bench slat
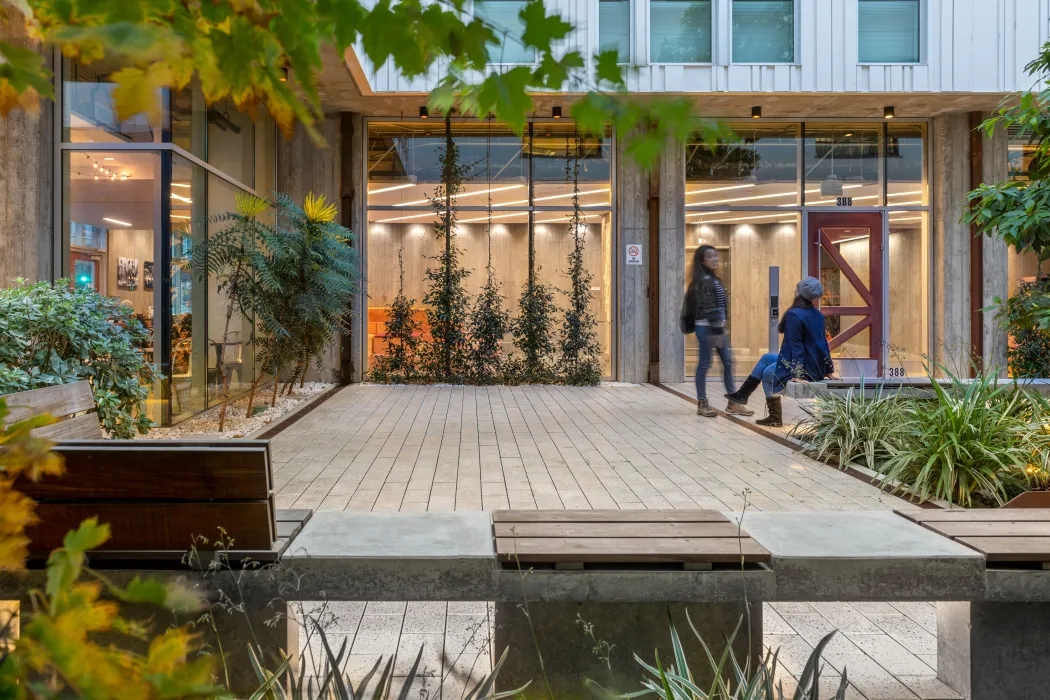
point(608, 516)
point(60, 401)
point(158, 526)
point(1010, 549)
point(630, 550)
point(979, 515)
point(152, 472)
point(82, 427)
point(606, 529)
point(989, 529)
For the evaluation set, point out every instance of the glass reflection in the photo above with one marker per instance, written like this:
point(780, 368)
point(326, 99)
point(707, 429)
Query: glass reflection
point(842, 162)
point(760, 168)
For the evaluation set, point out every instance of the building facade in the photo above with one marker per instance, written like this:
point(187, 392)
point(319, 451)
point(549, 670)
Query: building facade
point(856, 145)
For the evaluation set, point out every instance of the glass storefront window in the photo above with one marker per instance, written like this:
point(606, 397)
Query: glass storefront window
point(888, 31)
point(759, 169)
point(110, 228)
point(748, 243)
point(614, 28)
point(906, 183)
point(908, 280)
point(502, 16)
point(680, 31)
point(842, 161)
point(404, 171)
point(763, 31)
point(88, 112)
point(220, 135)
point(556, 145)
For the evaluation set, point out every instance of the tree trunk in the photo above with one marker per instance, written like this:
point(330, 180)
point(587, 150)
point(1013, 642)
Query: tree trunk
point(221, 354)
point(251, 394)
point(276, 386)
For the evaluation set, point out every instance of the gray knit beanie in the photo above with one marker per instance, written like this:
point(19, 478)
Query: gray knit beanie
point(810, 288)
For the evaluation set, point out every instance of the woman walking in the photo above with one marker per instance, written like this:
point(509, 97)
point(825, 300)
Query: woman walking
point(705, 312)
point(804, 354)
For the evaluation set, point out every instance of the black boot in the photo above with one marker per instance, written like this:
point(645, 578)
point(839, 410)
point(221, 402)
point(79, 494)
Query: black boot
point(742, 394)
point(775, 419)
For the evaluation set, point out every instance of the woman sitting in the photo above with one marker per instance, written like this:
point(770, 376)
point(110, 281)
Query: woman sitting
point(804, 354)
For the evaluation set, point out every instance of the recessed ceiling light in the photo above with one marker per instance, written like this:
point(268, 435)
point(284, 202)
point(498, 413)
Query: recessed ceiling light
point(118, 222)
point(183, 184)
point(181, 198)
point(109, 158)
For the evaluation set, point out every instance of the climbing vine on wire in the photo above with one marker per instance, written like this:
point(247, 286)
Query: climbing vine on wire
point(580, 362)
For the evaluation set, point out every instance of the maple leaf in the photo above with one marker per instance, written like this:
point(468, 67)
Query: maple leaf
point(607, 68)
point(541, 28)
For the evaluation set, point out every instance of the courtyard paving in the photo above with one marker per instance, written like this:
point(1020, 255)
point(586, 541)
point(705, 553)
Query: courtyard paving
point(441, 448)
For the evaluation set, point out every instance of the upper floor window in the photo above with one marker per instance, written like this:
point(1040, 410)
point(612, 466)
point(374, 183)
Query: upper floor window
point(680, 31)
point(888, 31)
point(502, 16)
point(614, 27)
point(763, 31)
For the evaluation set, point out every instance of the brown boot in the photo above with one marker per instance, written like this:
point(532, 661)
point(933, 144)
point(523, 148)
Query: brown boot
point(775, 419)
point(703, 408)
point(739, 409)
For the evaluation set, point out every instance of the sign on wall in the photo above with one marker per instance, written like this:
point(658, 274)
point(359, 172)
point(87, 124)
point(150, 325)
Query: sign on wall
point(634, 254)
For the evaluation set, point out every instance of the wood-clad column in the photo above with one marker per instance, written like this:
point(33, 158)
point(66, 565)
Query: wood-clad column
point(996, 277)
point(302, 168)
point(26, 182)
point(951, 242)
point(672, 261)
point(632, 206)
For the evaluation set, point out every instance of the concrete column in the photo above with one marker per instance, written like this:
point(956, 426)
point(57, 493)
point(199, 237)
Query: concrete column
point(672, 261)
point(632, 206)
point(556, 632)
point(995, 258)
point(951, 242)
point(302, 168)
point(355, 194)
point(26, 181)
point(990, 651)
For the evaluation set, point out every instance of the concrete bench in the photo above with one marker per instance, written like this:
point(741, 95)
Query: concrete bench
point(564, 565)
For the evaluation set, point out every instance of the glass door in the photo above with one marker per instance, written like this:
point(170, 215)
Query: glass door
point(845, 254)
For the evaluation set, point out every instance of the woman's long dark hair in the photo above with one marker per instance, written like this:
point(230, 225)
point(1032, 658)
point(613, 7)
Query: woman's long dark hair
point(698, 263)
point(799, 303)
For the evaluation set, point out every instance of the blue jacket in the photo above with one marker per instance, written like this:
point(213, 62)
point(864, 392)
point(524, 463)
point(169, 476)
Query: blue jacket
point(804, 352)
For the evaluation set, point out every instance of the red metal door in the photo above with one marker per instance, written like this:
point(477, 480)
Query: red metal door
point(845, 254)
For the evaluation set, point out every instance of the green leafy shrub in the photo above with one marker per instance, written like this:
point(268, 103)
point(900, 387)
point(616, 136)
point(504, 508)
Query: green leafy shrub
point(976, 432)
point(851, 427)
point(51, 334)
point(1026, 318)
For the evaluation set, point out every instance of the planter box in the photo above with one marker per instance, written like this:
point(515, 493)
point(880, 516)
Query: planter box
point(1031, 499)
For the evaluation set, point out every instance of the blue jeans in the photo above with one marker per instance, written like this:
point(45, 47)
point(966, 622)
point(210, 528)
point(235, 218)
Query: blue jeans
point(703, 340)
point(766, 372)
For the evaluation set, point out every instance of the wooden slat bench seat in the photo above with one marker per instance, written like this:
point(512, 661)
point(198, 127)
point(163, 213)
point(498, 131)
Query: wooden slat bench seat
point(1015, 536)
point(158, 496)
point(71, 405)
point(591, 538)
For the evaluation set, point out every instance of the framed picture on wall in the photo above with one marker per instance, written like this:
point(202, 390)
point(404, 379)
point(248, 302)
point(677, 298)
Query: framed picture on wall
point(147, 274)
point(128, 273)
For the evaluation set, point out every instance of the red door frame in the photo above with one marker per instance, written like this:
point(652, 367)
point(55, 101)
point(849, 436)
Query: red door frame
point(871, 294)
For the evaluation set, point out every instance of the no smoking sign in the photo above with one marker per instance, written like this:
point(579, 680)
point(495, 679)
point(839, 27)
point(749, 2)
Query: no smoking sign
point(634, 254)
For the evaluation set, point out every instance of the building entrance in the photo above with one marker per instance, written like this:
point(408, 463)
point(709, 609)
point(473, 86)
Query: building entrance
point(845, 252)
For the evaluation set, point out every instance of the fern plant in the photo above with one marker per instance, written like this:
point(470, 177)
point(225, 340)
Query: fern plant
point(402, 336)
point(236, 257)
point(446, 358)
point(315, 270)
point(580, 362)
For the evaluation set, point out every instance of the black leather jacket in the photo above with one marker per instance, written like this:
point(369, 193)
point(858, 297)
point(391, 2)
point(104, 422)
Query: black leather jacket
point(701, 305)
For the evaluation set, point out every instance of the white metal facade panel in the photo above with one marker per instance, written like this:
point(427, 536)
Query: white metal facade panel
point(967, 46)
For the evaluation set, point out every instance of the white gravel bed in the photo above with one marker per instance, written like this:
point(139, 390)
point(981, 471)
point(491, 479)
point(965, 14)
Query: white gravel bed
point(206, 425)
